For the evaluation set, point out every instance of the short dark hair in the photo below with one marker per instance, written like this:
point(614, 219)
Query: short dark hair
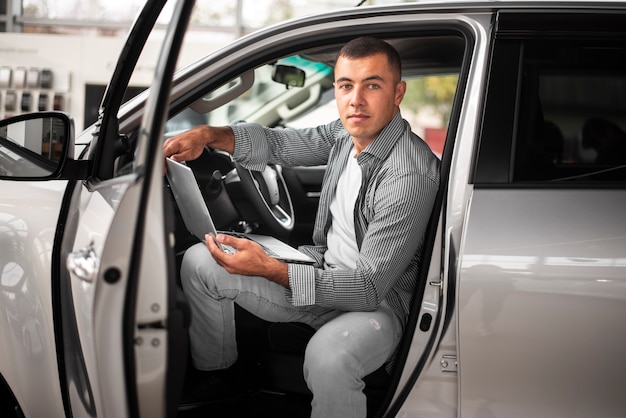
point(366, 46)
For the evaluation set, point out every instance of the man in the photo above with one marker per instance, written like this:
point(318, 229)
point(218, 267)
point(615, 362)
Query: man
point(376, 199)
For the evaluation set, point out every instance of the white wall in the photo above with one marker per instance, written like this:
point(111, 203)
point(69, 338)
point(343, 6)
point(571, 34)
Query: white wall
point(79, 60)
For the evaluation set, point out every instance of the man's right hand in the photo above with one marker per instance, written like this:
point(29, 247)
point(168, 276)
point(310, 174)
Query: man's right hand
point(190, 144)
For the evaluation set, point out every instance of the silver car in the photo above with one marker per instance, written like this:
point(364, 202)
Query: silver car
point(521, 307)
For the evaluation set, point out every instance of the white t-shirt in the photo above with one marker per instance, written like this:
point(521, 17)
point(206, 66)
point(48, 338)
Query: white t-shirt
point(342, 250)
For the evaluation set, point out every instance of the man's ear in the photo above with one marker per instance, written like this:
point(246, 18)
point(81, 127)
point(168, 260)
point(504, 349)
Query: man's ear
point(400, 90)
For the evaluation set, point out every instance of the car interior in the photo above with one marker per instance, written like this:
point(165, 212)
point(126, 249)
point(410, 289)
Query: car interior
point(567, 123)
point(293, 91)
point(578, 107)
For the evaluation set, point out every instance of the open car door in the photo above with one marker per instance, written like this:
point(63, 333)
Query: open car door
point(117, 306)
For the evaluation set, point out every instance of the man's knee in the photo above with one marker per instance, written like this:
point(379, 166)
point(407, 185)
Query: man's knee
point(198, 267)
point(330, 356)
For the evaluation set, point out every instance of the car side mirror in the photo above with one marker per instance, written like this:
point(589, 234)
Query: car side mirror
point(36, 146)
point(288, 75)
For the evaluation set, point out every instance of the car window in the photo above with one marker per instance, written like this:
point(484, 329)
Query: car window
point(427, 104)
point(555, 113)
point(572, 125)
point(266, 101)
point(117, 153)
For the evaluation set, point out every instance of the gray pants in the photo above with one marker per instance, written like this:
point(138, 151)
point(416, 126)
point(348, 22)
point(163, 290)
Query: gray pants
point(346, 347)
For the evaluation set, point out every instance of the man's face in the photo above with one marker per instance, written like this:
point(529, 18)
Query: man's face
point(368, 95)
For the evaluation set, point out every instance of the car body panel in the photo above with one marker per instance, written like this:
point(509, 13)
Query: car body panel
point(94, 300)
point(94, 214)
point(29, 212)
point(537, 311)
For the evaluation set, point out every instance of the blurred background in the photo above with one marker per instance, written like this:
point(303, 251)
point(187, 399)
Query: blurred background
point(60, 54)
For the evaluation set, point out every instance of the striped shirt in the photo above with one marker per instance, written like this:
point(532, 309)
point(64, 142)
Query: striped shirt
point(400, 178)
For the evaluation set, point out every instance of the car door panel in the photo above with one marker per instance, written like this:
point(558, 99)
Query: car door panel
point(104, 308)
point(28, 218)
point(93, 299)
point(120, 234)
point(153, 318)
point(109, 320)
point(541, 284)
point(540, 298)
point(83, 252)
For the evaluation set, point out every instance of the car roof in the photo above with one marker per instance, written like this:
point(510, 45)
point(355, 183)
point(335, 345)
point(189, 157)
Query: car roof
point(444, 51)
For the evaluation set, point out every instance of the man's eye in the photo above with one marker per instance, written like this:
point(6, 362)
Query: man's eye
point(373, 86)
point(344, 86)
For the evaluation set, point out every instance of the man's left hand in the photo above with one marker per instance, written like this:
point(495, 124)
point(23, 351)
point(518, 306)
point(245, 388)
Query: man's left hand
point(249, 259)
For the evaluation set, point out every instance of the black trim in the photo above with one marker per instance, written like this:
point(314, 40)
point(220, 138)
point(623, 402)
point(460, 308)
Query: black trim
point(105, 146)
point(593, 24)
point(494, 147)
point(178, 319)
point(9, 407)
point(75, 170)
point(70, 360)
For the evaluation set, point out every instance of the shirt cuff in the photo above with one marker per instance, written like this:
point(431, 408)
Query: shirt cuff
point(302, 284)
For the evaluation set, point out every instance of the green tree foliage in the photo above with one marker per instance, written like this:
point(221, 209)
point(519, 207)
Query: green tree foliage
point(434, 92)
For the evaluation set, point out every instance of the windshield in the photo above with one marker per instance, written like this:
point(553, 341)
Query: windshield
point(267, 101)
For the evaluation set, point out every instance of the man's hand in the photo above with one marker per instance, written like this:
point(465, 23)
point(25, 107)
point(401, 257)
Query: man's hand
point(189, 145)
point(249, 259)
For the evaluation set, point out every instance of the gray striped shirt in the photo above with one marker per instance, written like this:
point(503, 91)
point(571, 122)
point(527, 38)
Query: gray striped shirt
point(399, 183)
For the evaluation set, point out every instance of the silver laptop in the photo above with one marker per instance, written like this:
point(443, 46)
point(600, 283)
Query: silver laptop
point(198, 220)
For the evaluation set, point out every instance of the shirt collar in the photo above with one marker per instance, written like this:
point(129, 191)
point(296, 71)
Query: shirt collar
point(382, 145)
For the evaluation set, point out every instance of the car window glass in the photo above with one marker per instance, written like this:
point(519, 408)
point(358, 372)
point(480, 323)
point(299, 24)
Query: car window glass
point(32, 148)
point(124, 154)
point(427, 104)
point(267, 102)
point(572, 113)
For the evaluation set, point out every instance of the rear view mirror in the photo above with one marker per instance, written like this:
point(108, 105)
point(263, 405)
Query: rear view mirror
point(34, 146)
point(288, 75)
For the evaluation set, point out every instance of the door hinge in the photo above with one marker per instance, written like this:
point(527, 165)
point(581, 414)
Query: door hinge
point(448, 363)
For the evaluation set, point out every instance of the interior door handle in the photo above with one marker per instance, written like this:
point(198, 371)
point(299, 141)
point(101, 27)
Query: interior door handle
point(83, 263)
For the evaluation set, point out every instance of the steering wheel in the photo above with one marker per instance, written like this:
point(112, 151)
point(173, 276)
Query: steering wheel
point(268, 192)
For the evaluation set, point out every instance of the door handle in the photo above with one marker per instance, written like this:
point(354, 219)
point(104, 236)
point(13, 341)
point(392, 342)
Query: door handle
point(83, 263)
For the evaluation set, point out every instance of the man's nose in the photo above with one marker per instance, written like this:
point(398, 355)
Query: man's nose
point(357, 98)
